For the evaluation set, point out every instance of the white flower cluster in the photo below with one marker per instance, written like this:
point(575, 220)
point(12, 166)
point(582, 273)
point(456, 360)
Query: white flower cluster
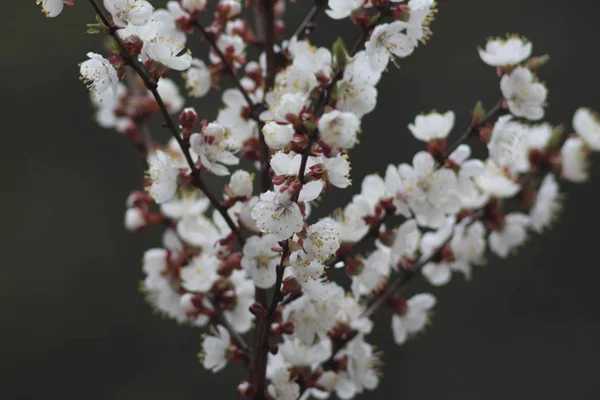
point(248, 258)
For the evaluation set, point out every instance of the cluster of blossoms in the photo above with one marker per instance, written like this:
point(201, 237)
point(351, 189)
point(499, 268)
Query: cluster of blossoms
point(249, 258)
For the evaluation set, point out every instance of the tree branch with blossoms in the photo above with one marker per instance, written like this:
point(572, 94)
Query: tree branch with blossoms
point(252, 260)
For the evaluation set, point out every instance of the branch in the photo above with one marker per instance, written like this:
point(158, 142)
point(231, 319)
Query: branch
point(210, 38)
point(152, 86)
point(309, 19)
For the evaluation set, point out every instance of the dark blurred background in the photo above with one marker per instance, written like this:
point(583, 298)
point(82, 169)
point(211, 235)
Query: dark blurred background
point(75, 327)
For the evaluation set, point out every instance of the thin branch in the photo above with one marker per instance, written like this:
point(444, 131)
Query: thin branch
point(152, 86)
point(309, 19)
point(472, 129)
point(209, 37)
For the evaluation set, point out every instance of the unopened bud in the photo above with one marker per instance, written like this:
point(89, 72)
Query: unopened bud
point(258, 310)
point(340, 53)
point(187, 119)
point(245, 389)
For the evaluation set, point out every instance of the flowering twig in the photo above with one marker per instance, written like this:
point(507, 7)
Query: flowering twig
point(152, 86)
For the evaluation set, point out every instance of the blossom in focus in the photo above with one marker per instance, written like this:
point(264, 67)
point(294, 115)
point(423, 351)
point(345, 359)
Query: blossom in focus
point(167, 53)
point(99, 75)
point(388, 40)
point(277, 214)
point(123, 12)
point(53, 7)
point(260, 260)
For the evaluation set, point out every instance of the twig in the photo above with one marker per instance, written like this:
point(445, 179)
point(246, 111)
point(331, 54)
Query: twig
point(310, 17)
point(209, 37)
point(152, 86)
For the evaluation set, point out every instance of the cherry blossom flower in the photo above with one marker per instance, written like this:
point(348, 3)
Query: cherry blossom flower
point(134, 219)
point(337, 170)
point(213, 150)
point(413, 318)
point(471, 195)
point(164, 175)
point(200, 274)
point(510, 235)
point(234, 117)
point(240, 184)
point(297, 353)
point(260, 260)
point(495, 182)
point(339, 129)
point(197, 78)
point(388, 40)
point(53, 8)
point(282, 387)
point(99, 74)
point(277, 214)
point(340, 9)
point(169, 92)
point(240, 317)
point(361, 370)
point(510, 51)
point(507, 145)
point(432, 193)
point(525, 96)
point(322, 240)
point(587, 125)
point(216, 350)
point(356, 91)
point(421, 15)
point(167, 53)
point(432, 126)
point(574, 156)
point(278, 135)
point(135, 12)
point(547, 204)
point(193, 5)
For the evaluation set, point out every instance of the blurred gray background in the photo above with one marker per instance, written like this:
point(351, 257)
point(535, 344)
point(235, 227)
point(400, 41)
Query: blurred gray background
point(75, 327)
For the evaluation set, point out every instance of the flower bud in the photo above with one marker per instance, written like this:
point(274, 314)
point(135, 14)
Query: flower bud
point(187, 119)
point(134, 220)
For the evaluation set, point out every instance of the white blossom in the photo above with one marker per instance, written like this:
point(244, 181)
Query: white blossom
point(587, 125)
point(510, 51)
point(99, 74)
point(507, 145)
point(471, 195)
point(297, 353)
point(200, 274)
point(166, 52)
point(260, 260)
point(338, 170)
point(495, 182)
point(240, 316)
point(388, 40)
point(232, 45)
point(240, 183)
point(193, 5)
point(547, 204)
point(282, 388)
point(432, 126)
point(134, 219)
point(322, 240)
point(164, 175)
point(421, 15)
point(431, 192)
point(525, 96)
point(53, 7)
point(510, 235)
point(339, 9)
point(234, 117)
point(356, 91)
point(414, 317)
point(574, 156)
point(135, 12)
point(361, 371)
point(216, 349)
point(277, 214)
point(278, 135)
point(339, 129)
point(169, 92)
point(197, 78)
point(213, 150)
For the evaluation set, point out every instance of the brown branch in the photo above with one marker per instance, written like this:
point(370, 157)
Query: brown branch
point(152, 86)
point(210, 38)
point(309, 19)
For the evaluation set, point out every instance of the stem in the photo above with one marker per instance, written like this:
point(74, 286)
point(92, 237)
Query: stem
point(309, 19)
point(152, 86)
point(209, 37)
point(473, 129)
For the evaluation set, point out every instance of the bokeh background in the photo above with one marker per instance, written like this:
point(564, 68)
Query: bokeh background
point(75, 327)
